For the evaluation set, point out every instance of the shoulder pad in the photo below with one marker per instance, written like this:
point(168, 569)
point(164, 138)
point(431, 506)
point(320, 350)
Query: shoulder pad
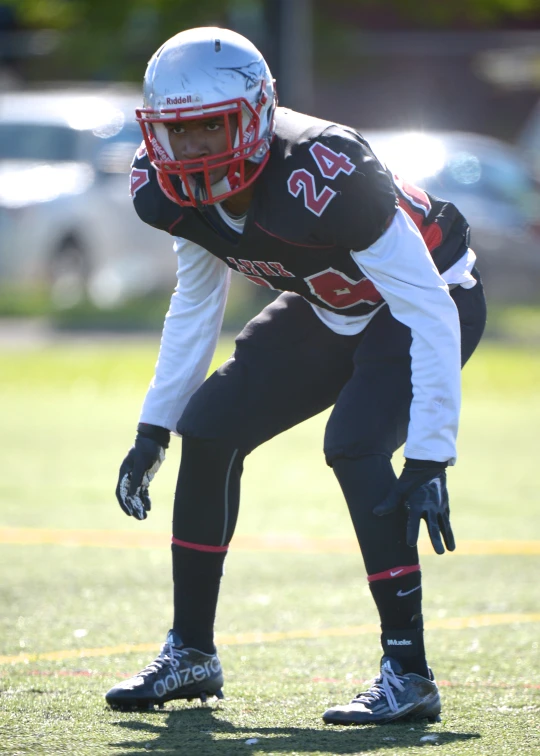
point(336, 191)
point(365, 198)
point(151, 204)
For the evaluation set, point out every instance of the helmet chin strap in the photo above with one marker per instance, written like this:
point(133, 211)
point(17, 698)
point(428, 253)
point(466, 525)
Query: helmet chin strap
point(198, 188)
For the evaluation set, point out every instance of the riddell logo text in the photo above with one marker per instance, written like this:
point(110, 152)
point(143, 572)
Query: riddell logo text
point(399, 642)
point(179, 100)
point(158, 149)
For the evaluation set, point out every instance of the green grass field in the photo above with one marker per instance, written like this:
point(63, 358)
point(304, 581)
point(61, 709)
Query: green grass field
point(85, 596)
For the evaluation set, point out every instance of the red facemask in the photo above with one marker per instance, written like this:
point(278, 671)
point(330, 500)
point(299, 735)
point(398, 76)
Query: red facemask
point(196, 187)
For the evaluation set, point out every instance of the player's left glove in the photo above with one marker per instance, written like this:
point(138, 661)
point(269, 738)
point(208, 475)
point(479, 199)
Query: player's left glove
point(421, 488)
point(138, 469)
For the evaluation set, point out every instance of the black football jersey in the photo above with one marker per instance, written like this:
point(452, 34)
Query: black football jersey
point(321, 194)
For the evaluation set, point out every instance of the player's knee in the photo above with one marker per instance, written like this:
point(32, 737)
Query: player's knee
point(194, 421)
point(356, 441)
point(336, 450)
point(212, 412)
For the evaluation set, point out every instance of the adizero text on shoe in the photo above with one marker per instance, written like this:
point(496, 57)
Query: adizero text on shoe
point(177, 672)
point(393, 695)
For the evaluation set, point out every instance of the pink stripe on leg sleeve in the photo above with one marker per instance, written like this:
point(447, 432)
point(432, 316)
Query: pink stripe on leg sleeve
point(199, 546)
point(393, 573)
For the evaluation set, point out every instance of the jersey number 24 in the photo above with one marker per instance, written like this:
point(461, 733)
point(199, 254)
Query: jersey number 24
point(330, 163)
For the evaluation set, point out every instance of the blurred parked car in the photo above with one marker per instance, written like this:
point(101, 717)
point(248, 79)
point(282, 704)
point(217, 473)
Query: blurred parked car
point(66, 216)
point(490, 183)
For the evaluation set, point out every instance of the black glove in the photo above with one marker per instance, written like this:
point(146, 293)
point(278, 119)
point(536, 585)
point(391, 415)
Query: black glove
point(139, 467)
point(421, 487)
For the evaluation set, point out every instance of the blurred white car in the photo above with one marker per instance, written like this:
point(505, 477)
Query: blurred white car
point(490, 183)
point(66, 216)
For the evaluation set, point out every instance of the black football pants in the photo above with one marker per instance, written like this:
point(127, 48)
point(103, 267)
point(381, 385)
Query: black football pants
point(287, 367)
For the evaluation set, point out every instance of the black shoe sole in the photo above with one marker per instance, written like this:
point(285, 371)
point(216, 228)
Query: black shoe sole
point(430, 711)
point(149, 704)
point(412, 718)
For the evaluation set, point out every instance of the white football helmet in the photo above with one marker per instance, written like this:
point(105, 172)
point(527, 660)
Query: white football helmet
point(196, 74)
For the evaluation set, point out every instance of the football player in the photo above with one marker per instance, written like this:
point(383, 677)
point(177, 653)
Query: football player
point(380, 306)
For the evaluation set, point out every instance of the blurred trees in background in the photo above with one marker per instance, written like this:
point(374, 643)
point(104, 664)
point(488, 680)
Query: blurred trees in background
point(112, 39)
point(105, 39)
point(455, 14)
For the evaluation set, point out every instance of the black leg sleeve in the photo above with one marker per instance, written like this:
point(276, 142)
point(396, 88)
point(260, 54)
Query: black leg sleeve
point(365, 482)
point(205, 513)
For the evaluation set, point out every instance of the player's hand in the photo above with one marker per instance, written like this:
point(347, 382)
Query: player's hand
point(421, 488)
point(138, 469)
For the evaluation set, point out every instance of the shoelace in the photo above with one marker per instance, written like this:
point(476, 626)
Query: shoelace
point(382, 688)
point(168, 656)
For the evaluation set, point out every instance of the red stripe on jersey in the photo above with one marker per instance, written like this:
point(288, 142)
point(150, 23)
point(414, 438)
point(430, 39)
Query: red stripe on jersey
point(432, 233)
point(414, 195)
point(393, 573)
point(199, 546)
point(175, 222)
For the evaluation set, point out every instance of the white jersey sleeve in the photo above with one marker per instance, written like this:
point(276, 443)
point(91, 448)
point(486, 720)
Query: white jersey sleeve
point(190, 334)
point(401, 268)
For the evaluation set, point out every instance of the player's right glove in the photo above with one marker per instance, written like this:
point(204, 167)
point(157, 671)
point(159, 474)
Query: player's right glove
point(139, 467)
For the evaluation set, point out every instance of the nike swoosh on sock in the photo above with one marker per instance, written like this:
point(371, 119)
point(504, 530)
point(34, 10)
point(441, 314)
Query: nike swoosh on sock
point(406, 593)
